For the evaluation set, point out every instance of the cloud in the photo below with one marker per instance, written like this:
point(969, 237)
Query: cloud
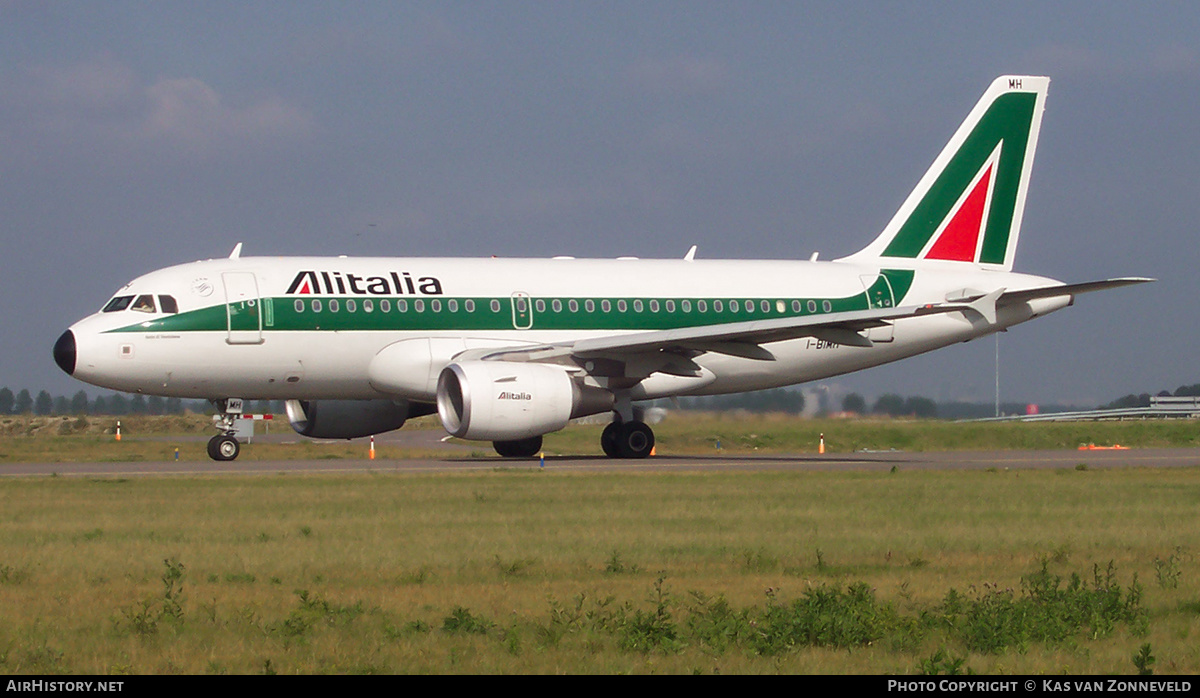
point(187, 113)
point(105, 103)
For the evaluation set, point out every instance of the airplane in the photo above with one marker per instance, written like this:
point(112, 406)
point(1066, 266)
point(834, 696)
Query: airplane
point(508, 350)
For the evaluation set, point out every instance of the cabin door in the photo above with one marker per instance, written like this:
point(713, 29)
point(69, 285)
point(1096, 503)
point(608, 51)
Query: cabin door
point(243, 308)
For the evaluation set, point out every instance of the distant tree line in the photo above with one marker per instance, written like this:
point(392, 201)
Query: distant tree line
point(888, 405)
point(1143, 400)
point(114, 404)
point(784, 400)
point(893, 405)
point(776, 400)
point(792, 401)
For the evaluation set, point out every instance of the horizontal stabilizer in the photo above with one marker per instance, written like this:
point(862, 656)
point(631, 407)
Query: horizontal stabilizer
point(1073, 289)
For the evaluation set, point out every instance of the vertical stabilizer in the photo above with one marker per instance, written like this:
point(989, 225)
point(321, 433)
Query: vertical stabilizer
point(968, 206)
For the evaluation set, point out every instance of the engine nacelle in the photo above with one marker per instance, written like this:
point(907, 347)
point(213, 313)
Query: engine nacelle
point(506, 401)
point(346, 419)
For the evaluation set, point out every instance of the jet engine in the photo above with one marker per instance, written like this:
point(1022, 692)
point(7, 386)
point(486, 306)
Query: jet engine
point(349, 419)
point(507, 401)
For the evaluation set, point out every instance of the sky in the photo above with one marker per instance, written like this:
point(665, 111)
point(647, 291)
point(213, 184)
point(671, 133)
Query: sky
point(137, 135)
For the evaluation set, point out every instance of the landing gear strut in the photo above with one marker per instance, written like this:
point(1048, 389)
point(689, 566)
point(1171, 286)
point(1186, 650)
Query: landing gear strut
point(224, 446)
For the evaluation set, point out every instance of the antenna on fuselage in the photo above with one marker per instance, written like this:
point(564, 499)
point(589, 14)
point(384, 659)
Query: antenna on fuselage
point(691, 254)
point(237, 251)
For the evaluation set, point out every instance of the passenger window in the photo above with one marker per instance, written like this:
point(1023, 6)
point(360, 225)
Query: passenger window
point(168, 304)
point(117, 304)
point(143, 304)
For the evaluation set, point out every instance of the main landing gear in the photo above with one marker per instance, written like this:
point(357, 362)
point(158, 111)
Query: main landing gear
point(632, 439)
point(627, 436)
point(224, 446)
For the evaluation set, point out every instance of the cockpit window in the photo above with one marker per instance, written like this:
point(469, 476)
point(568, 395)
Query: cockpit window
point(118, 303)
point(168, 304)
point(144, 304)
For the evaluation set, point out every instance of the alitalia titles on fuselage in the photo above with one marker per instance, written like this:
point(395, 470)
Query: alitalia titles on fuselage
point(338, 283)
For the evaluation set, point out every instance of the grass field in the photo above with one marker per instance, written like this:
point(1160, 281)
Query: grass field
point(521, 570)
point(66, 439)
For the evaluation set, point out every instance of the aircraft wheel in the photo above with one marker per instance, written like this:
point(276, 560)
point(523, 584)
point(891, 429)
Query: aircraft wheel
point(521, 448)
point(608, 440)
point(635, 440)
point(223, 448)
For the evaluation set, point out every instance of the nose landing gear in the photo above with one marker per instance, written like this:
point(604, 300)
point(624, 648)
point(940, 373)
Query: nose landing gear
point(225, 446)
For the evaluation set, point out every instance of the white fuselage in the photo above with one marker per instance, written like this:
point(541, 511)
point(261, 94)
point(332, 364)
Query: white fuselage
point(310, 328)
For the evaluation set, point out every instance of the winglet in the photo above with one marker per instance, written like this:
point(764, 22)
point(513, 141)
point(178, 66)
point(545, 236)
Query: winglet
point(691, 254)
point(237, 251)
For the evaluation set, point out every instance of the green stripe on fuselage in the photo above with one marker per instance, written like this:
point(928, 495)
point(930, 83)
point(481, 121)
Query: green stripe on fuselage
point(295, 313)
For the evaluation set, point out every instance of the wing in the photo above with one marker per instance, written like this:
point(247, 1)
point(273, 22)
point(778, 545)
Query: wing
point(636, 355)
point(672, 351)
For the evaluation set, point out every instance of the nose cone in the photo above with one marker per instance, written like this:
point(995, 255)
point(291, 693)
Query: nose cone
point(64, 352)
